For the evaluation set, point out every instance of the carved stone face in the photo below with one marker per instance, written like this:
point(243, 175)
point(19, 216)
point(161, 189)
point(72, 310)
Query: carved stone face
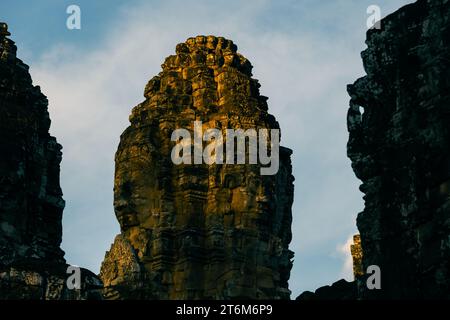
point(200, 229)
point(134, 189)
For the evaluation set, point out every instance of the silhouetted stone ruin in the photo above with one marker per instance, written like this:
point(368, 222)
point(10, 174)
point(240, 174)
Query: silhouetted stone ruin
point(399, 142)
point(32, 265)
point(400, 149)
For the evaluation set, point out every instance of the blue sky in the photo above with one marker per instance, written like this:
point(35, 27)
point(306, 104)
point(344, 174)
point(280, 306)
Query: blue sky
point(304, 53)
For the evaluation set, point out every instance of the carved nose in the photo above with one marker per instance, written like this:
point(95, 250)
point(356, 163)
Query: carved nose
point(120, 204)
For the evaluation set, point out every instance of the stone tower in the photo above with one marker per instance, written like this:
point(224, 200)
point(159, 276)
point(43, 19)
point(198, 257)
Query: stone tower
point(30, 196)
point(399, 141)
point(32, 264)
point(399, 148)
point(357, 254)
point(218, 231)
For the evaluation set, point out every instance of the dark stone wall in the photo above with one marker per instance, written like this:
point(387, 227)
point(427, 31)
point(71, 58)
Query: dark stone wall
point(30, 195)
point(399, 145)
point(32, 264)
